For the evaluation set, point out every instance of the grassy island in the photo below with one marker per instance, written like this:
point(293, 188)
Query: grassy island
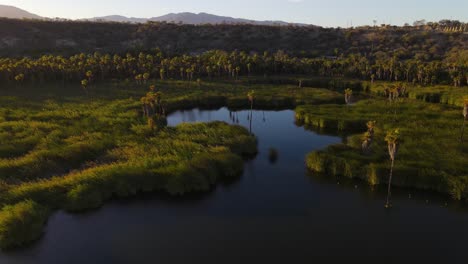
point(431, 155)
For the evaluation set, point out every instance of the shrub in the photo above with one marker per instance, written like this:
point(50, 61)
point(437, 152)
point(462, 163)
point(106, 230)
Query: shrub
point(21, 223)
point(83, 197)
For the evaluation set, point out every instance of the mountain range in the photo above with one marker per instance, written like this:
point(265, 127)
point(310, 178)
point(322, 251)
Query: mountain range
point(184, 18)
point(190, 18)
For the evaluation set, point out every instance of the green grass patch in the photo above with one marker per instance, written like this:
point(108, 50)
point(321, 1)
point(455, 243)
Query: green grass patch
point(21, 223)
point(430, 156)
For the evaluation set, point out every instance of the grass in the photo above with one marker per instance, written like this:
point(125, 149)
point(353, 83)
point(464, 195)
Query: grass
point(430, 156)
point(441, 94)
point(21, 223)
point(62, 149)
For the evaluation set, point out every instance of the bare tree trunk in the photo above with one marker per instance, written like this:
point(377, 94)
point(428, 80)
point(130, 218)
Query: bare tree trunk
point(389, 192)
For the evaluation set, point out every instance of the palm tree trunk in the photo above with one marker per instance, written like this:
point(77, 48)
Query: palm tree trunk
point(389, 192)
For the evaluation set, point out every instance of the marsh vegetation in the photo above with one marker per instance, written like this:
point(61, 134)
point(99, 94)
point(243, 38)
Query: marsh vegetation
point(80, 127)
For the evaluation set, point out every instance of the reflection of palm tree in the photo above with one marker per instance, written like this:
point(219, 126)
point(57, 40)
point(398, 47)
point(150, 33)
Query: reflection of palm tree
point(392, 139)
point(251, 97)
point(264, 119)
point(235, 117)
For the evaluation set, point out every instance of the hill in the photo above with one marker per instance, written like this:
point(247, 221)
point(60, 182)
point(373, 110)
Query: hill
point(38, 37)
point(17, 13)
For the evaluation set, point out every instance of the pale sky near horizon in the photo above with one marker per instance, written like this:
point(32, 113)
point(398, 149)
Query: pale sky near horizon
point(328, 13)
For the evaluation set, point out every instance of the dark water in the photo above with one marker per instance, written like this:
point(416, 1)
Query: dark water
point(275, 213)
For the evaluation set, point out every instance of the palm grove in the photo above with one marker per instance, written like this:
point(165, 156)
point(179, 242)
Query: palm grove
point(222, 64)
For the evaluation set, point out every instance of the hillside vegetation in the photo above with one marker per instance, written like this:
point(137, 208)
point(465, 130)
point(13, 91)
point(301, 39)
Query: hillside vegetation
point(34, 38)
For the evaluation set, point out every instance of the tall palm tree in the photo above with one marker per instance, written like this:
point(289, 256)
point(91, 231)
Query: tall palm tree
point(368, 137)
point(392, 139)
point(138, 78)
point(158, 99)
point(146, 77)
point(89, 75)
point(84, 85)
point(162, 73)
point(144, 105)
point(348, 96)
point(251, 97)
point(19, 77)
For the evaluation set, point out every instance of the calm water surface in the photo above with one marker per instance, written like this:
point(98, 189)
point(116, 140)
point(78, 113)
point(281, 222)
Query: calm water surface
point(275, 213)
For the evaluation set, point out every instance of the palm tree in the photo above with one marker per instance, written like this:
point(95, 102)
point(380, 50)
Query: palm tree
point(371, 126)
point(138, 78)
point(19, 77)
point(84, 85)
point(145, 104)
point(237, 70)
point(465, 115)
point(251, 97)
point(146, 77)
point(368, 137)
point(162, 73)
point(157, 97)
point(89, 75)
point(392, 140)
point(348, 96)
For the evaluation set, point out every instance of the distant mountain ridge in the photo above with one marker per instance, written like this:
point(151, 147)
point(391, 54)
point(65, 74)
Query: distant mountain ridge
point(183, 18)
point(191, 18)
point(17, 13)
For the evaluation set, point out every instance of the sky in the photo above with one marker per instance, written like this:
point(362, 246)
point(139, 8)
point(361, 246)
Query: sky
point(327, 13)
